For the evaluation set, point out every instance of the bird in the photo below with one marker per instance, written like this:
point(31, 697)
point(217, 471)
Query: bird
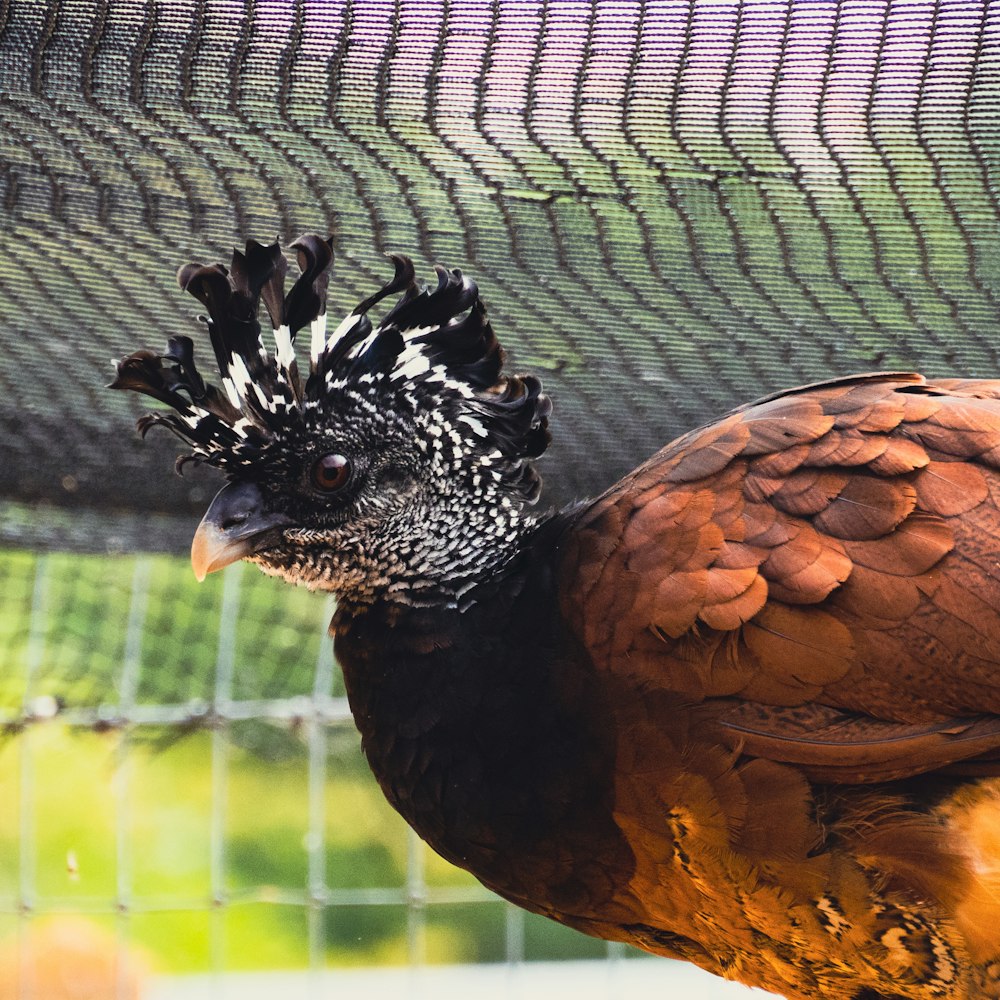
point(742, 708)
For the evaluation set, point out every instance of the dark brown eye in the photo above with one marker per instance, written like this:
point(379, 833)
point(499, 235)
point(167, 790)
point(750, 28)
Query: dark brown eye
point(330, 473)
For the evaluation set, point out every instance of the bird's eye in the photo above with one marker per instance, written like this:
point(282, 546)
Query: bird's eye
point(330, 473)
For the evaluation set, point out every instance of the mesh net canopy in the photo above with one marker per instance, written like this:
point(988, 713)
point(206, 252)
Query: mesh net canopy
point(669, 208)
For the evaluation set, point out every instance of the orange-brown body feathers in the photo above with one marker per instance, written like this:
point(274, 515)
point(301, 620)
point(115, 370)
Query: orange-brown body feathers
point(743, 708)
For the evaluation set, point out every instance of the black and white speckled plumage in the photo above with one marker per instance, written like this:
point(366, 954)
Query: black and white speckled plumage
point(437, 435)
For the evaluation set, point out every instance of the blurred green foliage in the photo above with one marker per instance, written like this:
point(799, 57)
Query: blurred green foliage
point(201, 838)
point(66, 619)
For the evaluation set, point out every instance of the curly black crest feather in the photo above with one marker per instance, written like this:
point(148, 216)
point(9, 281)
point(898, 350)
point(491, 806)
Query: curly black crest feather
point(433, 340)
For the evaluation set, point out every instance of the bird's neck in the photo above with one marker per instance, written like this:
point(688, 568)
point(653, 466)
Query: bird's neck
point(434, 556)
point(480, 726)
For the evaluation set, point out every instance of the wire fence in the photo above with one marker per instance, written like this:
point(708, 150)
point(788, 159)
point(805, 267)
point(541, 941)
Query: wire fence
point(249, 716)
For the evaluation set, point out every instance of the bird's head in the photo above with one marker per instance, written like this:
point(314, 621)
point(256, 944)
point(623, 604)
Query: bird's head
point(395, 462)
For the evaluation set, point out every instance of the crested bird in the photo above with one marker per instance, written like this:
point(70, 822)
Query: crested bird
point(742, 709)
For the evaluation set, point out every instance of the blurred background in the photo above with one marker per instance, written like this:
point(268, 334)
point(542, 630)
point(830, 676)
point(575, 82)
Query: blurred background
point(670, 208)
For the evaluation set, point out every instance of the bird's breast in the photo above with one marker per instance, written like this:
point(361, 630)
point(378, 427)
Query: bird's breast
point(493, 746)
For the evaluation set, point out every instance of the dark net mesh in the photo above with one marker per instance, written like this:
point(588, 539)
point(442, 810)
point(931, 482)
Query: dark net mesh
point(669, 209)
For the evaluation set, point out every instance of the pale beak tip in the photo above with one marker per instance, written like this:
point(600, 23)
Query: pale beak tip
point(200, 558)
point(211, 550)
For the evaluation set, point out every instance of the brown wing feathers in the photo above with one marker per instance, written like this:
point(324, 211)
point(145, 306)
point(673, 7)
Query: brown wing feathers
point(837, 545)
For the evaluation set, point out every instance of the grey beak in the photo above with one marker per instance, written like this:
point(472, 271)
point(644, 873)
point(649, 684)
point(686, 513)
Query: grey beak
point(231, 528)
